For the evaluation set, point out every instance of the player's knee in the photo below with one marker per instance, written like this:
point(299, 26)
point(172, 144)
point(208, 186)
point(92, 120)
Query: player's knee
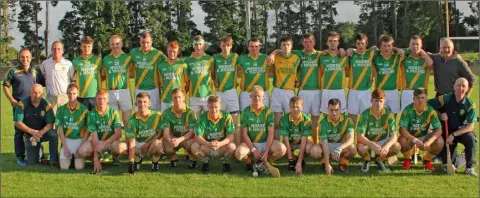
point(361, 148)
point(122, 148)
point(396, 147)
point(79, 163)
point(241, 152)
point(316, 151)
point(64, 164)
point(85, 150)
point(231, 147)
point(195, 147)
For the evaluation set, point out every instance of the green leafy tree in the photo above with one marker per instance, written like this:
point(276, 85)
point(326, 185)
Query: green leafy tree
point(27, 18)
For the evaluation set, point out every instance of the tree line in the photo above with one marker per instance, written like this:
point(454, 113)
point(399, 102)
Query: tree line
point(173, 20)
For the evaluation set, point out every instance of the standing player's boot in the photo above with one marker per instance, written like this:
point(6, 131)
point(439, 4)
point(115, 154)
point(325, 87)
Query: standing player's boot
point(429, 166)
point(155, 166)
point(406, 164)
point(226, 167)
point(365, 167)
point(291, 164)
point(132, 167)
point(193, 164)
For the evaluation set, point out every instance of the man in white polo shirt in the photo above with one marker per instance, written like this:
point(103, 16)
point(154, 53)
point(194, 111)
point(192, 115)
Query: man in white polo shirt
point(58, 73)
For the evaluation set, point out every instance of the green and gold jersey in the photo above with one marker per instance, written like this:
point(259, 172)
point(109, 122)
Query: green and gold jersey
point(200, 71)
point(215, 130)
point(145, 64)
point(335, 132)
point(104, 125)
point(225, 71)
point(417, 124)
point(360, 70)
point(253, 71)
point(309, 73)
point(87, 72)
point(180, 125)
point(143, 130)
point(287, 127)
point(285, 71)
point(257, 123)
point(387, 71)
point(414, 73)
point(171, 76)
point(376, 128)
point(73, 123)
point(116, 71)
point(332, 70)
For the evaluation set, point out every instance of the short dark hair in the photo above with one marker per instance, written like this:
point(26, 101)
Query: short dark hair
point(286, 39)
point(419, 91)
point(309, 35)
point(378, 94)
point(334, 101)
point(334, 34)
point(178, 90)
point(386, 39)
point(295, 99)
point(214, 99)
point(361, 36)
point(73, 85)
point(145, 34)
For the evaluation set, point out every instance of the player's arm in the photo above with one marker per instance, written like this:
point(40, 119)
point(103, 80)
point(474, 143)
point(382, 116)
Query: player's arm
point(365, 141)
point(246, 139)
point(399, 51)
point(427, 58)
point(269, 139)
point(117, 130)
point(166, 134)
point(392, 130)
point(271, 57)
point(199, 131)
point(348, 142)
point(326, 156)
point(18, 119)
point(6, 85)
point(303, 145)
point(130, 135)
point(286, 141)
point(404, 133)
point(229, 130)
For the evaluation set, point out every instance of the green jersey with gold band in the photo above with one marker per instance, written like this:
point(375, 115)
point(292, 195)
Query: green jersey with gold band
point(225, 71)
point(215, 129)
point(117, 71)
point(287, 127)
point(376, 128)
point(414, 73)
point(171, 76)
point(143, 130)
point(199, 71)
point(360, 70)
point(87, 72)
point(386, 70)
point(332, 69)
point(257, 123)
point(104, 125)
point(253, 71)
point(73, 122)
point(309, 73)
point(336, 132)
point(145, 64)
point(418, 123)
point(179, 125)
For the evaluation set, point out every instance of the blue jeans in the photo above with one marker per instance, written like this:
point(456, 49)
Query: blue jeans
point(32, 151)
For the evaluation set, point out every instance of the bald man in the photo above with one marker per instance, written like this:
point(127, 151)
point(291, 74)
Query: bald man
point(448, 66)
point(460, 112)
point(34, 117)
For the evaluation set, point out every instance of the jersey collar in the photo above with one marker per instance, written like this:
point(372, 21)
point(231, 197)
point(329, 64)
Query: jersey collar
point(121, 53)
point(183, 111)
point(96, 109)
point(77, 106)
point(425, 108)
point(209, 117)
point(382, 112)
point(197, 57)
point(139, 117)
point(257, 113)
point(329, 119)
point(313, 52)
point(254, 58)
point(291, 119)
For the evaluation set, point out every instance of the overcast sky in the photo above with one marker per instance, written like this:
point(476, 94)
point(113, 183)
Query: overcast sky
point(347, 11)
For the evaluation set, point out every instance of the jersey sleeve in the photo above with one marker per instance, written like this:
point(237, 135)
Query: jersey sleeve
point(49, 115)
point(434, 121)
point(404, 119)
point(350, 126)
point(91, 125)
point(283, 126)
point(132, 125)
point(269, 121)
point(307, 128)
point(362, 124)
point(229, 126)
point(19, 112)
point(8, 79)
point(200, 128)
point(391, 128)
point(244, 120)
point(117, 122)
point(191, 119)
point(59, 118)
point(323, 130)
point(471, 114)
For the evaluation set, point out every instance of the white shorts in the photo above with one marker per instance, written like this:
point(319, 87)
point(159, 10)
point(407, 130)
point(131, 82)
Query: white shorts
point(246, 101)
point(311, 101)
point(358, 101)
point(154, 98)
point(392, 100)
point(281, 100)
point(329, 94)
point(229, 100)
point(406, 99)
point(260, 146)
point(198, 104)
point(120, 100)
point(164, 106)
point(332, 147)
point(72, 145)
